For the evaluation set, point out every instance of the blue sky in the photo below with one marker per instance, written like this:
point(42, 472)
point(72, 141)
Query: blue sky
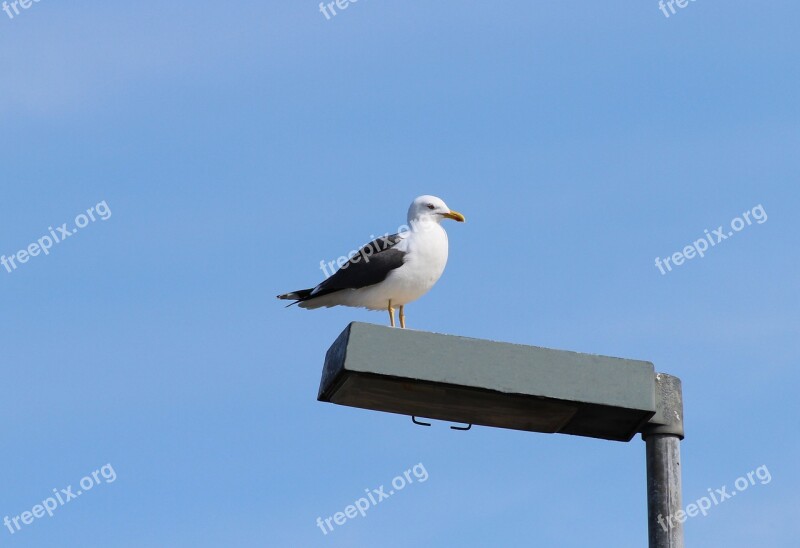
point(237, 145)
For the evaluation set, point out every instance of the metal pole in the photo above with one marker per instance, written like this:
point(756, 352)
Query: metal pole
point(665, 529)
point(662, 438)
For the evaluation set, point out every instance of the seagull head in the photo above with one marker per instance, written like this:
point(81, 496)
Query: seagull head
point(430, 209)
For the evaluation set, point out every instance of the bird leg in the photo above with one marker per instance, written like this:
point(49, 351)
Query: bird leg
point(391, 313)
point(402, 317)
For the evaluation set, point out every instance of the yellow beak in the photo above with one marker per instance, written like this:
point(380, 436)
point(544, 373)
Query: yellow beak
point(455, 215)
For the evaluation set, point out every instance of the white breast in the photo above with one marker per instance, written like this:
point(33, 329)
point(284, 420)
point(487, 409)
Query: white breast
point(427, 256)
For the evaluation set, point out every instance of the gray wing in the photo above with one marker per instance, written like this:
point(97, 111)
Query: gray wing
point(371, 265)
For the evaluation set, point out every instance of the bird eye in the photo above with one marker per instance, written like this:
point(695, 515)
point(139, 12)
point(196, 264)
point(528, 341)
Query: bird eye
point(431, 206)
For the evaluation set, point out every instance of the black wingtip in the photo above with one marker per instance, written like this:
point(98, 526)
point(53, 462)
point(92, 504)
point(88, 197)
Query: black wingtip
point(297, 296)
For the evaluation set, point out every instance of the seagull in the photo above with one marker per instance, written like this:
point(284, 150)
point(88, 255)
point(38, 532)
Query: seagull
point(390, 271)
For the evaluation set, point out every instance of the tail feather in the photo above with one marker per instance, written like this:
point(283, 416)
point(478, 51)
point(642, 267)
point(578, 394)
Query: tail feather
point(297, 296)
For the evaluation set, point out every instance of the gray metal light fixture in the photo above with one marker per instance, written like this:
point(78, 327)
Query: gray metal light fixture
point(529, 388)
